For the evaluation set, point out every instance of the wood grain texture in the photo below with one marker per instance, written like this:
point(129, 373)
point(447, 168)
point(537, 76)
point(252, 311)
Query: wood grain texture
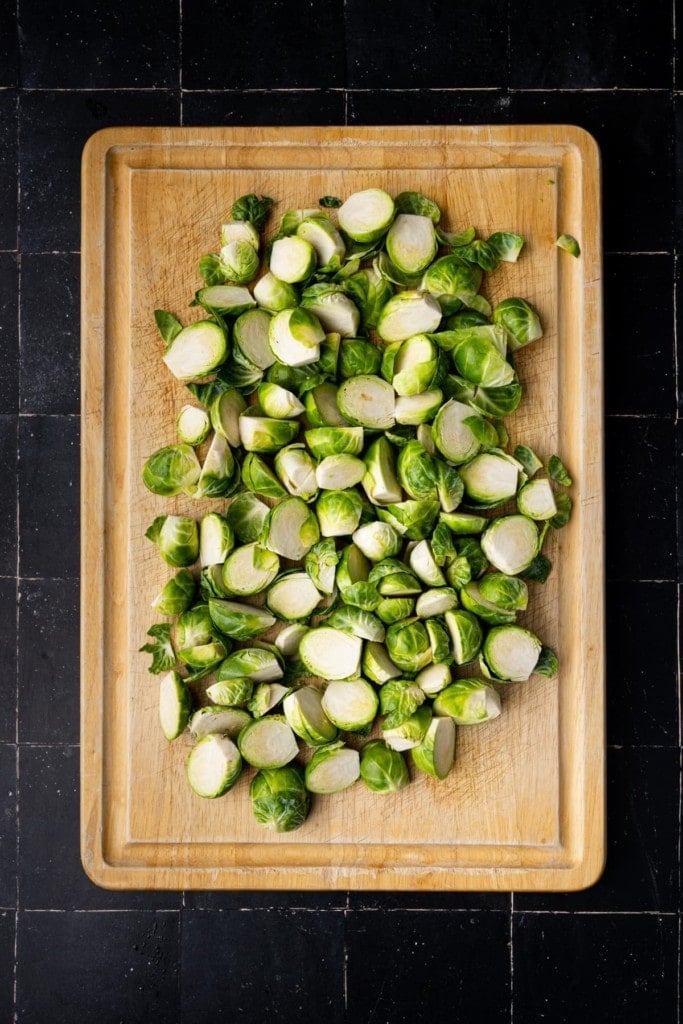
point(524, 807)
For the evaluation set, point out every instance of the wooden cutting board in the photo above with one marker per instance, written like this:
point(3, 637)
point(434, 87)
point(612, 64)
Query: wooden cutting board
point(524, 806)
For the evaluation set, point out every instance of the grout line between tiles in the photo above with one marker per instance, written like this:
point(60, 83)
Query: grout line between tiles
point(512, 958)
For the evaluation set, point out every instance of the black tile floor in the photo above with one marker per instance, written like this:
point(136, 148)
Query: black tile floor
point(72, 952)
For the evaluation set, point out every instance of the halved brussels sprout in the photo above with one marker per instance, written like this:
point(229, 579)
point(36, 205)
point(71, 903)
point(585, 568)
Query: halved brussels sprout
point(335, 310)
point(520, 320)
point(292, 259)
point(468, 702)
point(264, 434)
point(452, 435)
point(321, 233)
point(511, 652)
point(367, 401)
point(293, 596)
point(411, 242)
point(321, 407)
point(339, 472)
point(249, 570)
point(320, 564)
point(290, 529)
point(297, 470)
point(451, 281)
point(304, 712)
point(268, 742)
point(214, 719)
point(338, 512)
point(409, 733)
point(370, 292)
point(350, 703)
point(324, 441)
point(288, 639)
point(408, 645)
point(196, 350)
point(214, 766)
point(382, 770)
point(419, 409)
point(274, 295)
point(260, 664)
point(377, 541)
point(245, 516)
point(511, 543)
point(466, 635)
point(224, 299)
point(536, 500)
point(177, 539)
point(329, 653)
point(332, 769)
point(358, 621)
point(295, 336)
point(490, 478)
point(436, 753)
point(225, 411)
point(239, 261)
point(410, 312)
point(193, 425)
point(220, 473)
point(366, 215)
point(241, 621)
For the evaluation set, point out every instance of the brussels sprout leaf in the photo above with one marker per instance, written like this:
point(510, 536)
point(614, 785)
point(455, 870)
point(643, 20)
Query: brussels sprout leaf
point(252, 208)
point(169, 325)
point(557, 471)
point(161, 648)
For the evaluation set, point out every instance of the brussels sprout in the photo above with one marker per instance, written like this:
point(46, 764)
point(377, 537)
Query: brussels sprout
point(547, 664)
point(398, 700)
point(463, 523)
point(175, 704)
point(303, 710)
point(439, 642)
point(468, 702)
point(259, 478)
point(177, 538)
point(321, 407)
point(408, 313)
point(520, 320)
point(214, 766)
point(320, 564)
point(245, 518)
point(466, 635)
point(411, 519)
point(423, 565)
point(377, 665)
point(339, 472)
point(450, 282)
point(510, 543)
point(536, 500)
point(470, 548)
point(249, 570)
point(358, 621)
point(352, 568)
point(292, 259)
point(266, 696)
point(465, 318)
point(367, 401)
point(230, 692)
point(268, 742)
point(239, 261)
point(211, 582)
point(379, 482)
point(293, 596)
point(290, 529)
point(416, 471)
point(329, 653)
point(394, 609)
point(296, 470)
point(194, 627)
point(193, 425)
point(240, 231)
point(452, 435)
point(224, 299)
point(279, 799)
point(274, 295)
point(409, 733)
point(288, 639)
point(511, 653)
point(241, 621)
point(436, 753)
point(294, 336)
point(569, 244)
point(321, 233)
point(220, 474)
point(408, 645)
point(411, 242)
point(366, 215)
point(225, 411)
point(332, 769)
point(214, 719)
point(414, 366)
point(338, 512)
point(370, 292)
point(539, 570)
point(377, 540)
point(292, 218)
point(435, 602)
point(382, 770)
point(434, 678)
point(350, 703)
point(176, 595)
point(480, 361)
point(358, 357)
point(324, 441)
point(419, 409)
point(278, 402)
point(264, 434)
point(335, 310)
point(483, 607)
point(459, 572)
point(490, 479)
point(172, 470)
point(196, 350)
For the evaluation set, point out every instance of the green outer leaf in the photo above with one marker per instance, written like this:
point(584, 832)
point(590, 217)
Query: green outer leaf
point(161, 648)
point(416, 202)
point(547, 664)
point(169, 325)
point(564, 510)
point(569, 244)
point(557, 471)
point(252, 208)
point(329, 202)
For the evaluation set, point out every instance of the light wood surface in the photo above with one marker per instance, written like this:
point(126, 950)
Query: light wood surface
point(524, 806)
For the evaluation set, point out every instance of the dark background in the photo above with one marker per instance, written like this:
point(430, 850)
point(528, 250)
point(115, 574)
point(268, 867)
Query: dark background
point(71, 952)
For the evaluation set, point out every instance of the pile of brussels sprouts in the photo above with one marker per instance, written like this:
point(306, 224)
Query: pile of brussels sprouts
point(350, 404)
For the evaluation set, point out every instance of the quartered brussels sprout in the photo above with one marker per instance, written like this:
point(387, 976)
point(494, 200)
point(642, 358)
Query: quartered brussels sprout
point(241, 621)
point(177, 594)
point(265, 434)
point(468, 702)
point(333, 308)
point(324, 441)
point(297, 471)
point(295, 336)
point(321, 563)
point(435, 754)
point(220, 474)
point(520, 320)
point(323, 236)
point(214, 766)
point(409, 733)
point(380, 482)
point(175, 705)
point(303, 709)
point(277, 402)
